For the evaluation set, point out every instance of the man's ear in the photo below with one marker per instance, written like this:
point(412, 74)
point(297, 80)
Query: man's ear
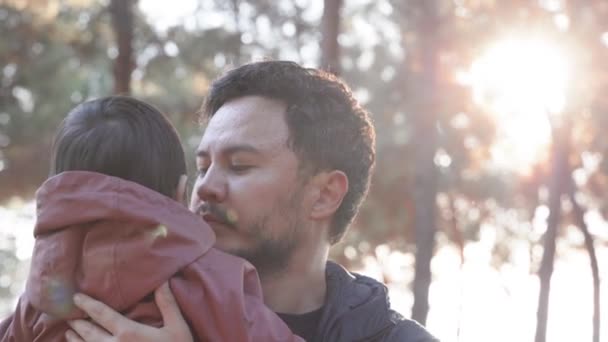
point(330, 189)
point(180, 192)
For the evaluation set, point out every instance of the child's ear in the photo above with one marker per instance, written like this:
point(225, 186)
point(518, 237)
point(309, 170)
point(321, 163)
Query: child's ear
point(180, 192)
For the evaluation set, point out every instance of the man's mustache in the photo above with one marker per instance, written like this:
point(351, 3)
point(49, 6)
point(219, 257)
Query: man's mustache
point(226, 217)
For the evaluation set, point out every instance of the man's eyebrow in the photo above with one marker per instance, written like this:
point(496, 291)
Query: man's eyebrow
point(231, 150)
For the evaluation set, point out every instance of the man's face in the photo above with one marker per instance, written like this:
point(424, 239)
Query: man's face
point(247, 187)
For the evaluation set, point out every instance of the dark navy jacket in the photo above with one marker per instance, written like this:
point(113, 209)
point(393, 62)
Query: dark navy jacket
point(357, 309)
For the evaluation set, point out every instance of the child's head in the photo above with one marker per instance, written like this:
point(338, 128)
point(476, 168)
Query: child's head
point(121, 137)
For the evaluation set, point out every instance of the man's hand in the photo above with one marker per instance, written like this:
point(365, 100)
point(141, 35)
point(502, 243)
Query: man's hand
point(119, 328)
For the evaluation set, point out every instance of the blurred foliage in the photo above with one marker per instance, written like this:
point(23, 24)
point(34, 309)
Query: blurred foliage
point(8, 266)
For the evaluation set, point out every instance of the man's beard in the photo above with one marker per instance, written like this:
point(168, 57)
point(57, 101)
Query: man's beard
point(271, 254)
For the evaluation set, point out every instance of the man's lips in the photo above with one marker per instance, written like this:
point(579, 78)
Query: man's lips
point(217, 215)
point(214, 221)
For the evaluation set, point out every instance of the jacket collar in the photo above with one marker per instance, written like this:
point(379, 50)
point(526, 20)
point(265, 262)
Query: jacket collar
point(356, 308)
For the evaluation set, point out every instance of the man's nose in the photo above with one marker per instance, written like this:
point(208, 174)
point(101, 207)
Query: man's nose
point(211, 187)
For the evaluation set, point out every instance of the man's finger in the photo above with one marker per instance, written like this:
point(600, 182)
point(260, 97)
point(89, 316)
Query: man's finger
point(71, 336)
point(89, 332)
point(100, 313)
point(168, 307)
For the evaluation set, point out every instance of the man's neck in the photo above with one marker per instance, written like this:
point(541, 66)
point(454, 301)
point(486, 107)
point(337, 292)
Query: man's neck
point(300, 287)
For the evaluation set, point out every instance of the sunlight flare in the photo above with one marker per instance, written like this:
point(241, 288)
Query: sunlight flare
point(523, 83)
point(521, 76)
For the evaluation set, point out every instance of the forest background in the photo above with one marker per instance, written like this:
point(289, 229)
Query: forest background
point(487, 215)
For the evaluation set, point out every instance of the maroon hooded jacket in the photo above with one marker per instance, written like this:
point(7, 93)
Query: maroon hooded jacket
point(117, 241)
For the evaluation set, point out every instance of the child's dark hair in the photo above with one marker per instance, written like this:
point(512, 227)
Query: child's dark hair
point(122, 137)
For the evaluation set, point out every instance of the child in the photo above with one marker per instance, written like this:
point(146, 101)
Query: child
point(108, 225)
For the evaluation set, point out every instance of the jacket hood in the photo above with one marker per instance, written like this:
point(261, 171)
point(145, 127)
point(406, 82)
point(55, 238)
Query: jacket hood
point(354, 298)
point(112, 239)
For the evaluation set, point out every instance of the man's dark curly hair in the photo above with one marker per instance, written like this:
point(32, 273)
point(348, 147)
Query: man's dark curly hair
point(328, 128)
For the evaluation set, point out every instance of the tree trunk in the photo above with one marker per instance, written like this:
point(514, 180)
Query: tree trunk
point(456, 229)
point(425, 174)
point(236, 15)
point(330, 29)
point(298, 23)
point(577, 12)
point(122, 19)
point(579, 217)
point(459, 240)
point(557, 187)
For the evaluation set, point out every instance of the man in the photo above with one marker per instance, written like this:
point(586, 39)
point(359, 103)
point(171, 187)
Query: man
point(283, 166)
